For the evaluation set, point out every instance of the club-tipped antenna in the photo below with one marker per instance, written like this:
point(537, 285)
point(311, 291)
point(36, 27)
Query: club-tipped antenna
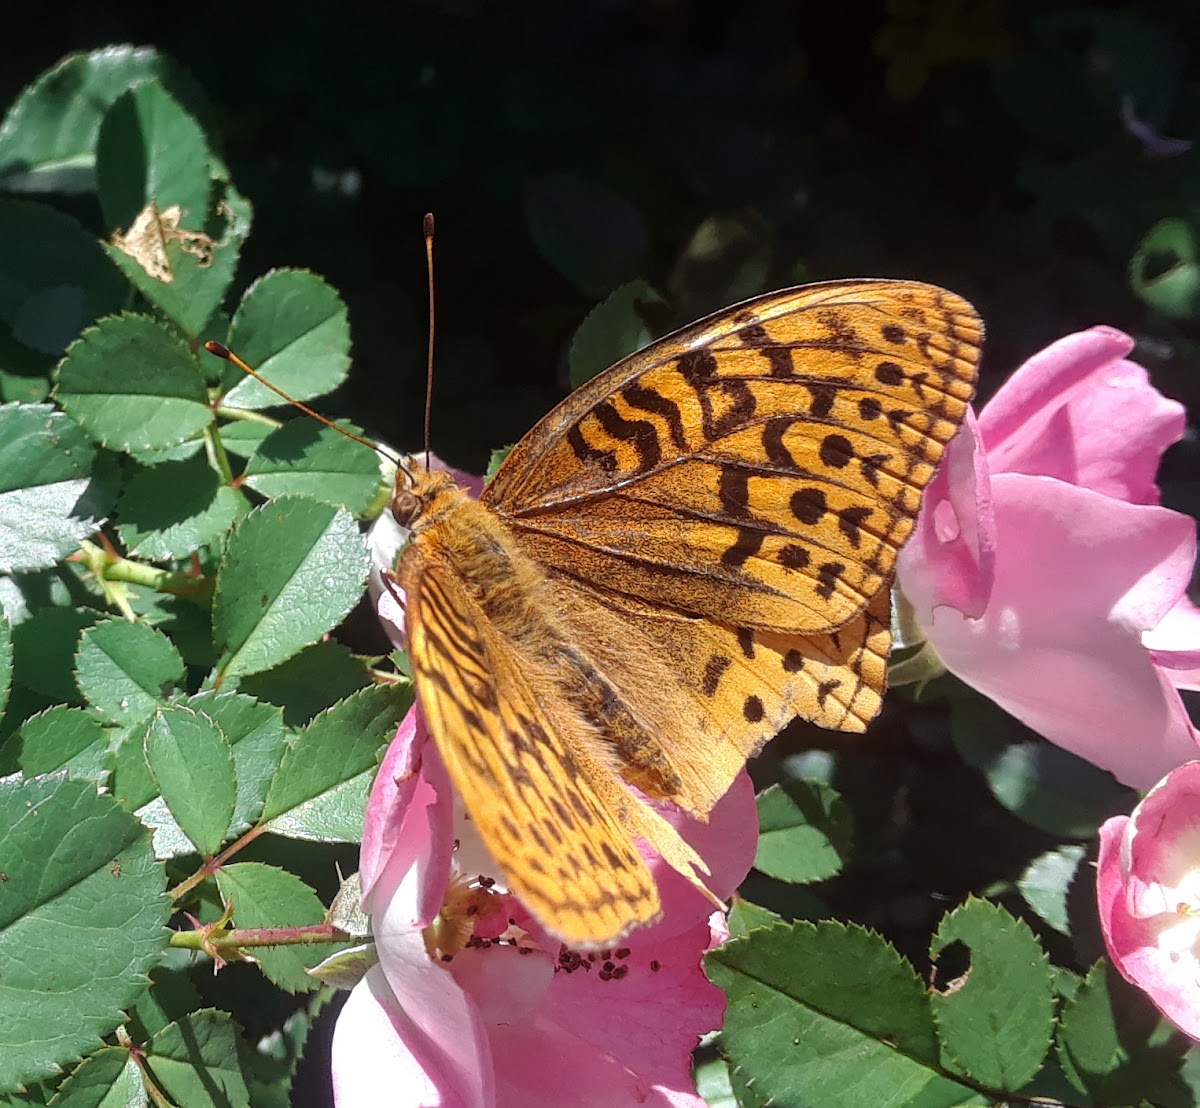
point(428, 228)
point(222, 351)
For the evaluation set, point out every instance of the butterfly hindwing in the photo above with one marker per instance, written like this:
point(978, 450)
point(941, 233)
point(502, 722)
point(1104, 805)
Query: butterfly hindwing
point(713, 693)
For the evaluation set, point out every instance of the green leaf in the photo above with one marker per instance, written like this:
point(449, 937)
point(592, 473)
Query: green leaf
point(125, 670)
point(55, 487)
point(804, 832)
point(150, 150)
point(184, 622)
point(34, 1095)
point(110, 1078)
point(6, 659)
point(242, 437)
point(1109, 1046)
point(81, 922)
point(1043, 784)
point(264, 896)
point(828, 1014)
point(496, 460)
point(130, 383)
point(712, 1083)
point(132, 783)
point(169, 510)
point(1165, 270)
point(995, 1022)
point(44, 648)
point(308, 459)
point(1046, 882)
point(196, 1061)
point(292, 569)
point(278, 1054)
point(256, 737)
point(189, 276)
point(347, 967)
point(613, 329)
point(592, 237)
point(56, 280)
point(181, 452)
point(64, 738)
point(24, 388)
point(256, 734)
point(1190, 1073)
point(292, 328)
point(315, 679)
point(338, 745)
point(1066, 982)
point(171, 996)
point(48, 139)
point(335, 816)
point(745, 916)
point(193, 767)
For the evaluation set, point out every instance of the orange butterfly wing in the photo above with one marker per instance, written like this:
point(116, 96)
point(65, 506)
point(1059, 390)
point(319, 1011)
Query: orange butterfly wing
point(761, 467)
point(553, 813)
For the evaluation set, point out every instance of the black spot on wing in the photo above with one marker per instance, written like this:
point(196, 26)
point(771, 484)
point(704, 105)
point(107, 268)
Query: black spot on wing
point(809, 505)
point(836, 451)
point(823, 396)
point(747, 544)
point(773, 445)
point(714, 668)
point(793, 556)
point(889, 373)
point(850, 521)
point(828, 576)
point(824, 689)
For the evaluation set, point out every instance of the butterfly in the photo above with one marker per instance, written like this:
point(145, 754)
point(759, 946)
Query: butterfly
point(692, 549)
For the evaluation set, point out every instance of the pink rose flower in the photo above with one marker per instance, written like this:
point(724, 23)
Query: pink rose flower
point(1148, 888)
point(473, 1004)
point(1044, 572)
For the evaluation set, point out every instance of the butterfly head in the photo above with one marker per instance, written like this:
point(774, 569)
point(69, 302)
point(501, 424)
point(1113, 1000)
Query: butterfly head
point(423, 495)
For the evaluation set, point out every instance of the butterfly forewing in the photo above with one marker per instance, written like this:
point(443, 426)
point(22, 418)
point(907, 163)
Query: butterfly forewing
point(558, 820)
point(764, 465)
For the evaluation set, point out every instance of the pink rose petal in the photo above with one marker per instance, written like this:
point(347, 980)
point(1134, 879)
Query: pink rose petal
point(1079, 412)
point(1148, 892)
point(1078, 577)
point(950, 558)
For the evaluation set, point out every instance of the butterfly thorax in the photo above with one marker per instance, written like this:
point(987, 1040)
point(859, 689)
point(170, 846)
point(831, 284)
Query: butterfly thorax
point(531, 612)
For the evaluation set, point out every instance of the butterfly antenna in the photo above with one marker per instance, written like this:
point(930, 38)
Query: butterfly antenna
point(428, 227)
point(224, 352)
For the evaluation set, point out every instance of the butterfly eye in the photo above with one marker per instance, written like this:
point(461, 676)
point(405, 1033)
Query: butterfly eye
point(406, 507)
